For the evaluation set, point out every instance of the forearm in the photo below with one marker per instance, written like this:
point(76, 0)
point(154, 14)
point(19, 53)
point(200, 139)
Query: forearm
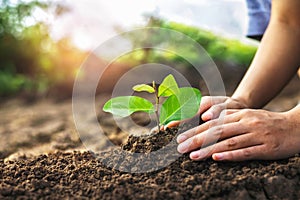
point(275, 62)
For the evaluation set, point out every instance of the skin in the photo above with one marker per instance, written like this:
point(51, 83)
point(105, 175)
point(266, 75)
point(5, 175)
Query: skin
point(244, 131)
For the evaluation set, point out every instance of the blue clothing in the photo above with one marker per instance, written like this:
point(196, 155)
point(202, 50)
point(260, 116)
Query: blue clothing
point(259, 12)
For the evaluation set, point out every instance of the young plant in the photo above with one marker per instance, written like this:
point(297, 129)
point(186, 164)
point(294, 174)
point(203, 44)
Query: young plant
point(180, 103)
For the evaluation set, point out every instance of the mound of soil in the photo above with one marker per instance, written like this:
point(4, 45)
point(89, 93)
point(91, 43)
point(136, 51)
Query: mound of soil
point(149, 143)
point(84, 175)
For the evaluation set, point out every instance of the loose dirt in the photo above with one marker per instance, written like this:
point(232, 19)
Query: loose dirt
point(84, 176)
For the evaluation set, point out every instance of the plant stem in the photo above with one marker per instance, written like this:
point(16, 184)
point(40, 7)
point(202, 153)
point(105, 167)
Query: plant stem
point(156, 105)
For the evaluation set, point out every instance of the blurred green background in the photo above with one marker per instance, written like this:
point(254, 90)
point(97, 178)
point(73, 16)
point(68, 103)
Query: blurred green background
point(32, 63)
point(30, 60)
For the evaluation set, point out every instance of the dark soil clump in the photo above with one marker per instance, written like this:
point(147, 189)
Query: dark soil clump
point(149, 143)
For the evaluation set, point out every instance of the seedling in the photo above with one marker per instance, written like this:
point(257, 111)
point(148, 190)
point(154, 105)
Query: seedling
point(180, 103)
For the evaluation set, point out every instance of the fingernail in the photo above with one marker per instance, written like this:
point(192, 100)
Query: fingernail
point(181, 138)
point(207, 116)
point(197, 155)
point(218, 156)
point(183, 147)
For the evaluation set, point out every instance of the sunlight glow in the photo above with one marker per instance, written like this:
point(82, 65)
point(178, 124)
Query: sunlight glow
point(91, 22)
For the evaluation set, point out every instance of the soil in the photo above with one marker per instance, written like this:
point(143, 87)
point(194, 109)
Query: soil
point(41, 156)
point(83, 176)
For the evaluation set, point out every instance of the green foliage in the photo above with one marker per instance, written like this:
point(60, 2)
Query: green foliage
point(182, 103)
point(13, 15)
point(219, 48)
point(19, 47)
point(12, 83)
point(168, 87)
point(143, 88)
point(126, 105)
point(28, 55)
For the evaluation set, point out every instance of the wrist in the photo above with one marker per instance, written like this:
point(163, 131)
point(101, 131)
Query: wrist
point(293, 116)
point(293, 122)
point(240, 101)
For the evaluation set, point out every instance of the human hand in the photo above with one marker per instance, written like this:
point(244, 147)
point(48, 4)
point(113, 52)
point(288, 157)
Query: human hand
point(244, 135)
point(211, 107)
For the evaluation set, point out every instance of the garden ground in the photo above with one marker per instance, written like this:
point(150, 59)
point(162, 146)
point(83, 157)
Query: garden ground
point(41, 155)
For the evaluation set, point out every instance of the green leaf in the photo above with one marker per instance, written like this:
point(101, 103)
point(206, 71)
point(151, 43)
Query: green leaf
point(183, 105)
point(143, 88)
point(168, 87)
point(126, 105)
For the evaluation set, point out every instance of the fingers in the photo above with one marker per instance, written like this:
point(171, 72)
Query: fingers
point(230, 111)
point(233, 143)
point(213, 112)
point(229, 118)
point(213, 106)
point(216, 105)
point(209, 137)
point(249, 153)
point(207, 103)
